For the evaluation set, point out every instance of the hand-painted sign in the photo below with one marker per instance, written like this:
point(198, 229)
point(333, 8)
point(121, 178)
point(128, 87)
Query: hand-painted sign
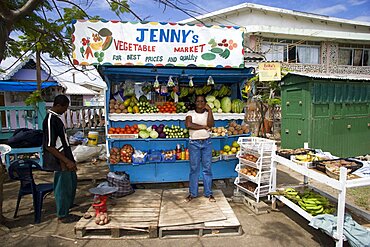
point(269, 72)
point(154, 43)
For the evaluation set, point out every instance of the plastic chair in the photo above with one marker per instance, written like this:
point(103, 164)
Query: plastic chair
point(22, 170)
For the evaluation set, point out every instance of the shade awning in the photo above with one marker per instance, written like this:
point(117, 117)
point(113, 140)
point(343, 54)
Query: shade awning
point(24, 86)
point(182, 74)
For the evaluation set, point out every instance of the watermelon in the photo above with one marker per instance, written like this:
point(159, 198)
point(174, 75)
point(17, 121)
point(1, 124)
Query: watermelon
point(237, 106)
point(226, 104)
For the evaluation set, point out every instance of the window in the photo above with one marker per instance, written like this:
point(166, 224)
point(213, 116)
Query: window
point(354, 55)
point(292, 51)
point(345, 56)
point(76, 100)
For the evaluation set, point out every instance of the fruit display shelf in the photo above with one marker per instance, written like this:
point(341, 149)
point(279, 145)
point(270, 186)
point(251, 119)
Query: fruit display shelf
point(265, 175)
point(340, 185)
point(169, 116)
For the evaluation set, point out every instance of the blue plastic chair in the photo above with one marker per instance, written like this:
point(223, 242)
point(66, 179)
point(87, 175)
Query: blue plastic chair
point(22, 170)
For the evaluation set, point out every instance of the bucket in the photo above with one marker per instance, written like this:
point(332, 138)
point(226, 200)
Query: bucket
point(92, 137)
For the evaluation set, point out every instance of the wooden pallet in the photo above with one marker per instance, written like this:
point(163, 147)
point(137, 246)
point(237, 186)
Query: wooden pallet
point(227, 225)
point(133, 216)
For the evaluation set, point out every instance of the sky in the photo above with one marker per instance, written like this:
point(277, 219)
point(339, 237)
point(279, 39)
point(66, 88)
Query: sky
point(152, 10)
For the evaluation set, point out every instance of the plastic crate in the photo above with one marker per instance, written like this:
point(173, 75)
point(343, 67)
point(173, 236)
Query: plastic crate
point(228, 156)
point(138, 161)
point(216, 158)
point(154, 156)
point(123, 136)
point(261, 145)
point(168, 158)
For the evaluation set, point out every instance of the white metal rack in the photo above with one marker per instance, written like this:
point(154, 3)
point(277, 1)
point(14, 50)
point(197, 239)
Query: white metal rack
point(262, 149)
point(341, 185)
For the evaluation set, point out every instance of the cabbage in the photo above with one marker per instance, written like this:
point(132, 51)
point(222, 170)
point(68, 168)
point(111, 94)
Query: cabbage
point(144, 134)
point(210, 98)
point(217, 103)
point(141, 126)
point(211, 105)
point(154, 134)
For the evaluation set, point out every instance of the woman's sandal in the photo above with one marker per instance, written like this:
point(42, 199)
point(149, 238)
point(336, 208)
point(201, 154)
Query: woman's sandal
point(189, 198)
point(211, 198)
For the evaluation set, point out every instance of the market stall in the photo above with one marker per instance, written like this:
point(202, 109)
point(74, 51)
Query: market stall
point(337, 173)
point(153, 72)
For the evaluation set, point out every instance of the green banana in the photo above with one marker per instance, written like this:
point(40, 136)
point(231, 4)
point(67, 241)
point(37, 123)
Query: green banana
point(314, 207)
point(319, 211)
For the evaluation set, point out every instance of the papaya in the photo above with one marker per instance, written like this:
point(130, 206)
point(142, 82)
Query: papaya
point(107, 43)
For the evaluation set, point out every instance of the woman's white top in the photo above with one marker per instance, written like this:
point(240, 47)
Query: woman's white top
point(201, 119)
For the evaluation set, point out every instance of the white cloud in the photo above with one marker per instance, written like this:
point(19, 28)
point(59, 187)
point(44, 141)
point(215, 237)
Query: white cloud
point(332, 10)
point(100, 5)
point(357, 2)
point(362, 18)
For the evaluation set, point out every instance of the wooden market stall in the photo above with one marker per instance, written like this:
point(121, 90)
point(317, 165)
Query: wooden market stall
point(175, 60)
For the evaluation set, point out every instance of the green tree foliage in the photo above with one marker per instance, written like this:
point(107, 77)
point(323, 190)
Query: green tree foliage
point(45, 24)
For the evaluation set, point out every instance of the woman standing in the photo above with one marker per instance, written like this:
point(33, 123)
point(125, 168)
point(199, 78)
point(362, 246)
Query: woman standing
point(199, 122)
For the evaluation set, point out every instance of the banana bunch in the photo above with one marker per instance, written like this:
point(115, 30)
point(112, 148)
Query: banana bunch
point(184, 91)
point(309, 157)
point(223, 91)
point(309, 201)
point(292, 195)
point(203, 90)
point(246, 91)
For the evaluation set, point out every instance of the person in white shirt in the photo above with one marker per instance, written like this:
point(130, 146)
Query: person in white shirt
point(199, 122)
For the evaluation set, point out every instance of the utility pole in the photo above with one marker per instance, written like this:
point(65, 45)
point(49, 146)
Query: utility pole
point(38, 69)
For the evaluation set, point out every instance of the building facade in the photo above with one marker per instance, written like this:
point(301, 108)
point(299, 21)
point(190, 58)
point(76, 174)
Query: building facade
point(302, 42)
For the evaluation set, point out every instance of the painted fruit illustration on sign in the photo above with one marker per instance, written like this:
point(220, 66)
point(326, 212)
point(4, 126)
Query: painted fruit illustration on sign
point(222, 49)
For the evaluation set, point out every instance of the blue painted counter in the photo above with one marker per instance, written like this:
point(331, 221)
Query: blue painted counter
point(177, 171)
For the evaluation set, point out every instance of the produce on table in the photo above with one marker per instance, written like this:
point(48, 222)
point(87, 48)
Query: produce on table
point(229, 150)
point(145, 107)
point(115, 155)
point(214, 103)
point(249, 157)
point(237, 106)
point(101, 219)
point(237, 129)
point(121, 155)
point(126, 153)
point(249, 171)
point(226, 104)
point(215, 153)
point(218, 131)
point(167, 107)
point(248, 185)
point(310, 201)
point(133, 129)
point(175, 132)
point(129, 105)
point(182, 107)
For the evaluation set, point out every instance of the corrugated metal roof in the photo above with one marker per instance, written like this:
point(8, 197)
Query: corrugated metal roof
point(62, 72)
point(75, 89)
point(243, 6)
point(334, 76)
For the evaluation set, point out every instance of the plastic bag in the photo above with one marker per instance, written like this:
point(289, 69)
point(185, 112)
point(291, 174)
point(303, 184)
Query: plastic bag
point(77, 138)
point(83, 153)
point(121, 181)
point(129, 89)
